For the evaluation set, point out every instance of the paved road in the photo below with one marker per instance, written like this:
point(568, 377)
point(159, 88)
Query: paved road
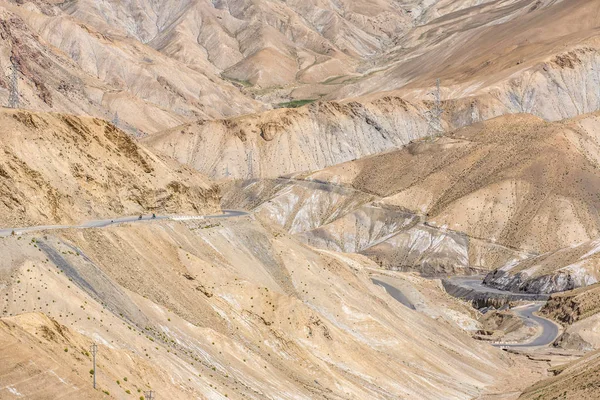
point(476, 283)
point(394, 292)
point(100, 223)
point(549, 330)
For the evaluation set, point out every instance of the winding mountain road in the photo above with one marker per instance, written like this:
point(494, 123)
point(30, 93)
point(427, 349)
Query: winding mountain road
point(101, 223)
point(549, 330)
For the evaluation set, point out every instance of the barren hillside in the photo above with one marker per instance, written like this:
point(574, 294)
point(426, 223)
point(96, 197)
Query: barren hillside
point(518, 181)
point(565, 269)
point(493, 59)
point(63, 169)
point(496, 194)
point(153, 66)
point(577, 381)
point(578, 311)
point(224, 307)
point(362, 148)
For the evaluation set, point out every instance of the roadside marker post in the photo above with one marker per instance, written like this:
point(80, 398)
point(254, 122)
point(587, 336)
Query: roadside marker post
point(94, 350)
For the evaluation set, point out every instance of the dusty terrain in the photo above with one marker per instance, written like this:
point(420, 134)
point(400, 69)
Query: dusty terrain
point(536, 57)
point(270, 318)
point(465, 202)
point(578, 311)
point(487, 181)
point(503, 327)
point(212, 308)
point(316, 118)
point(63, 169)
point(565, 269)
point(219, 68)
point(576, 380)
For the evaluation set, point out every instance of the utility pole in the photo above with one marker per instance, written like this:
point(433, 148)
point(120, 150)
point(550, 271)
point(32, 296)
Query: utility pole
point(434, 114)
point(13, 97)
point(94, 350)
point(149, 395)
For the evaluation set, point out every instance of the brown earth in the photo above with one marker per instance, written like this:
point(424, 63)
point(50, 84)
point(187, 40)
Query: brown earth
point(572, 306)
point(517, 180)
point(227, 307)
point(579, 380)
point(65, 169)
point(153, 67)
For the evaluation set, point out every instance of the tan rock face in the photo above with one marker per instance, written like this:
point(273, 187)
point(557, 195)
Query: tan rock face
point(242, 308)
point(491, 63)
point(285, 141)
point(64, 169)
point(576, 380)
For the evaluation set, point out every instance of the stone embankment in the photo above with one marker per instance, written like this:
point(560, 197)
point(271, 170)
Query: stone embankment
point(472, 289)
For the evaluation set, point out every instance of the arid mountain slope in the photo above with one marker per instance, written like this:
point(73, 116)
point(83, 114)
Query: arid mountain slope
point(294, 205)
point(65, 65)
point(516, 180)
point(263, 43)
point(565, 269)
point(484, 47)
point(34, 346)
point(579, 380)
point(240, 310)
point(322, 134)
point(62, 169)
point(494, 195)
point(579, 312)
point(284, 141)
point(161, 64)
point(494, 58)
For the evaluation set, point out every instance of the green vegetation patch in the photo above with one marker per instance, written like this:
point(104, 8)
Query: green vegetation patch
point(295, 103)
